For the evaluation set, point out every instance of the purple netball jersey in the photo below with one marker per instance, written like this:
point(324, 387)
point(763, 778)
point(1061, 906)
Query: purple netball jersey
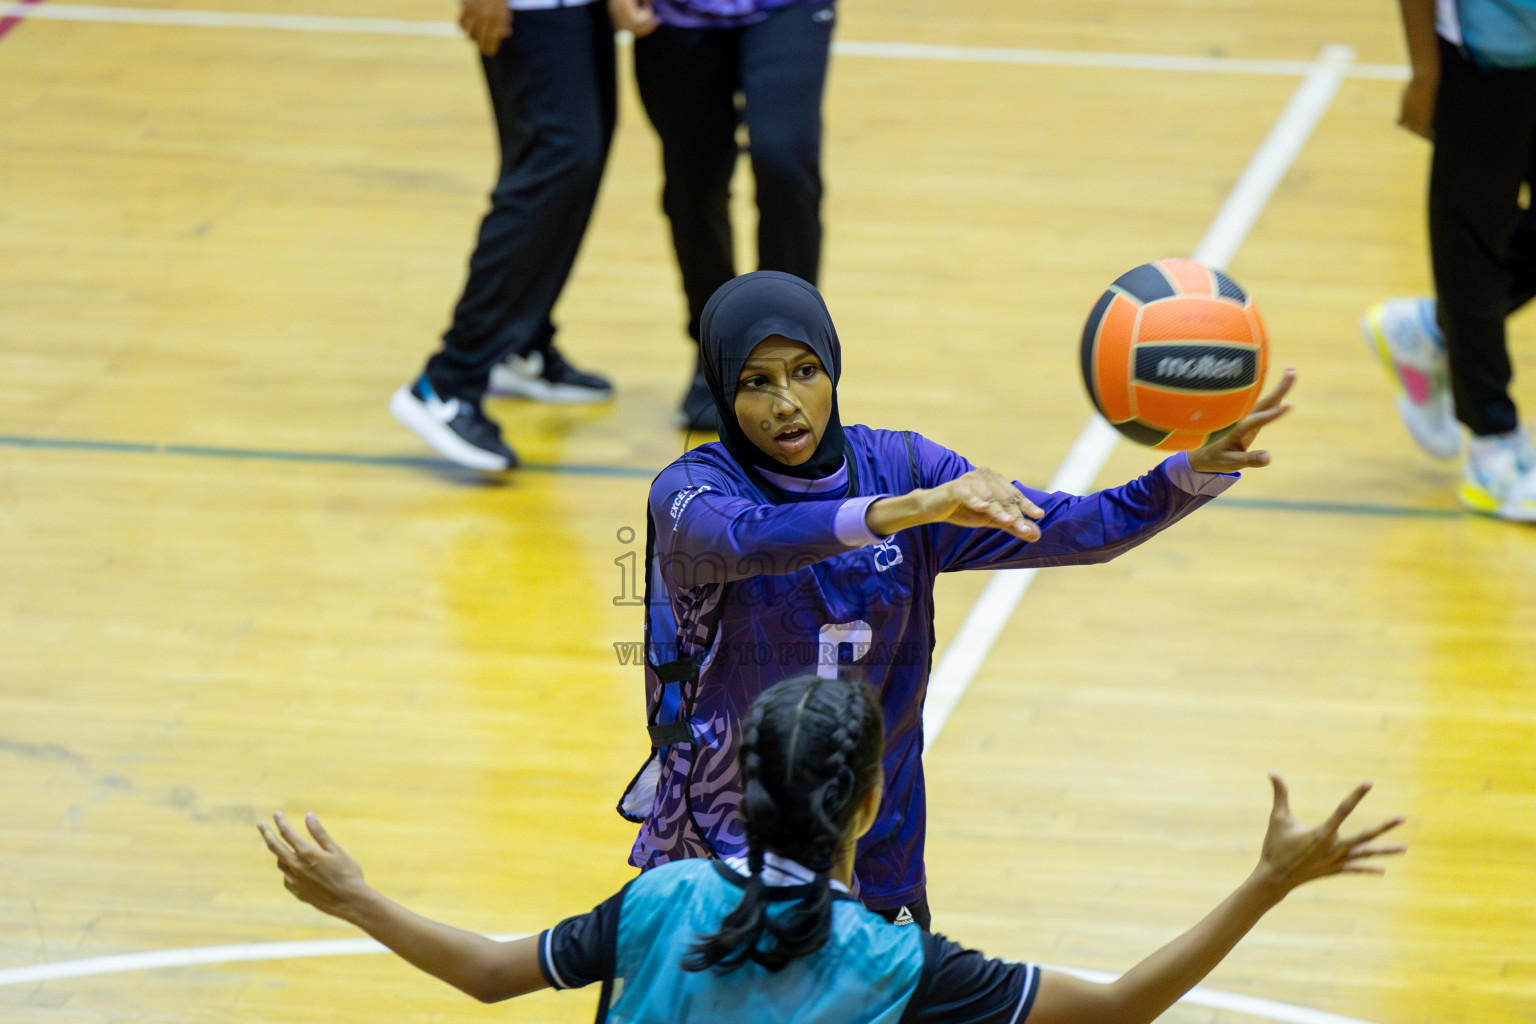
point(775, 585)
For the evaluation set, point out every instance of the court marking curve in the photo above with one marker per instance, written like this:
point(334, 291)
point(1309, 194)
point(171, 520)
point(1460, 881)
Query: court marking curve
point(203, 955)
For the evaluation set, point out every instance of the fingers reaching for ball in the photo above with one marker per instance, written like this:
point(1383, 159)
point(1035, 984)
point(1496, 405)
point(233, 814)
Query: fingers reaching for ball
point(1231, 453)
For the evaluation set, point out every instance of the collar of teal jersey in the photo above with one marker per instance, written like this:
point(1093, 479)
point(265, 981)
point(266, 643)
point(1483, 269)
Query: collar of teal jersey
point(780, 871)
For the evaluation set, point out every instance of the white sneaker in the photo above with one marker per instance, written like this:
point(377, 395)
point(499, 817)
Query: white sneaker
point(1499, 476)
point(458, 429)
point(1404, 334)
point(547, 377)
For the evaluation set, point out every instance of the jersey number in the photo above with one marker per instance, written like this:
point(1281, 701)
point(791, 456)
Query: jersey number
point(856, 634)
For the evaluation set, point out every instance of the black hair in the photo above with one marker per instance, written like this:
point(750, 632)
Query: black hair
point(810, 752)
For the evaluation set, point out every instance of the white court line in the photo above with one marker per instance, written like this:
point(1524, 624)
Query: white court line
point(984, 623)
point(201, 955)
point(965, 655)
point(1217, 1000)
point(841, 47)
point(229, 19)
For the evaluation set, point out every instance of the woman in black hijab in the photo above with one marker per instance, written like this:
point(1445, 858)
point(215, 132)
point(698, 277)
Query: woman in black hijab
point(743, 314)
point(797, 545)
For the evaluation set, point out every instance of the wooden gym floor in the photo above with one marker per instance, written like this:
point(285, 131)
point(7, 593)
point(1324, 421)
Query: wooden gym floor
point(230, 583)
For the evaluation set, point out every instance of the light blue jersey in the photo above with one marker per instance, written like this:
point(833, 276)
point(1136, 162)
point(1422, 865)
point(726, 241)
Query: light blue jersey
point(866, 973)
point(869, 972)
point(1494, 33)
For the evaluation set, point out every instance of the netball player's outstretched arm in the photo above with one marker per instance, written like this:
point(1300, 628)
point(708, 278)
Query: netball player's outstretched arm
point(986, 498)
point(318, 871)
point(982, 497)
point(1292, 855)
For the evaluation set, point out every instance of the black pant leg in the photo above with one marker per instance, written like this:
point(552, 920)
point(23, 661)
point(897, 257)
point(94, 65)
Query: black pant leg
point(552, 89)
point(1522, 247)
point(783, 79)
point(1485, 121)
point(687, 78)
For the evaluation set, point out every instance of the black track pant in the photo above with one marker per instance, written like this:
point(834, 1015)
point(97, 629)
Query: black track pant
point(689, 81)
point(1482, 243)
point(552, 87)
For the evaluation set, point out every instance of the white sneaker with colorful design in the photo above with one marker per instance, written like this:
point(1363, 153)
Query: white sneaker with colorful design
point(1404, 334)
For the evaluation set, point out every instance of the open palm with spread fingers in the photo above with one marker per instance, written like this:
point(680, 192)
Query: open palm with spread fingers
point(1294, 854)
point(1229, 453)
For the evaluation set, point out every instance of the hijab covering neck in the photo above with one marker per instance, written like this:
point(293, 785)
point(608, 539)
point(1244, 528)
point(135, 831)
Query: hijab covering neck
point(741, 314)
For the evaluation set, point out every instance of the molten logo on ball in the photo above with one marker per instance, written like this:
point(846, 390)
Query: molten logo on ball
point(1218, 370)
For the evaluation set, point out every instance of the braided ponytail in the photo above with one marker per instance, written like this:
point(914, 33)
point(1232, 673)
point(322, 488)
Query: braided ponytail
point(810, 752)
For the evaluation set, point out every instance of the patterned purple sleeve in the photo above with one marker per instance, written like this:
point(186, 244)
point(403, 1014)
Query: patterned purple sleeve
point(1076, 529)
point(711, 528)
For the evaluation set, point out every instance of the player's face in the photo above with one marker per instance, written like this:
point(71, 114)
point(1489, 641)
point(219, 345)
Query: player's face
point(784, 399)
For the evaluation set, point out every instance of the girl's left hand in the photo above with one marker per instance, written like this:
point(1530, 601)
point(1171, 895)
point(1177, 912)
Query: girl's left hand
point(317, 871)
point(1230, 454)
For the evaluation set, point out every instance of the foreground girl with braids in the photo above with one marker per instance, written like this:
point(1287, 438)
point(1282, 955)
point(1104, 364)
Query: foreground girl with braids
point(775, 935)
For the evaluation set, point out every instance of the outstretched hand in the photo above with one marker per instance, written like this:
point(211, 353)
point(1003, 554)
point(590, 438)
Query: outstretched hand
point(983, 497)
point(1294, 854)
point(1230, 453)
point(316, 870)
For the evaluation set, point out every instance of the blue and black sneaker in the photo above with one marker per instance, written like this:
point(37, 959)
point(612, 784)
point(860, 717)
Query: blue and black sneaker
point(457, 428)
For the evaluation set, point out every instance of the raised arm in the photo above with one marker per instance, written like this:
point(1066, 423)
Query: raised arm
point(1292, 855)
point(319, 872)
point(987, 522)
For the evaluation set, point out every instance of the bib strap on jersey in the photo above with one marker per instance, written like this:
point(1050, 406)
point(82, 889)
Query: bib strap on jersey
point(668, 734)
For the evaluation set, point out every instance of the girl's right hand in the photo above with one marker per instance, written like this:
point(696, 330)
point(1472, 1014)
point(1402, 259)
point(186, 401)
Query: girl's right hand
point(1293, 855)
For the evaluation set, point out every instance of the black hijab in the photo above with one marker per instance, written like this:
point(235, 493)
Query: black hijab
point(738, 317)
